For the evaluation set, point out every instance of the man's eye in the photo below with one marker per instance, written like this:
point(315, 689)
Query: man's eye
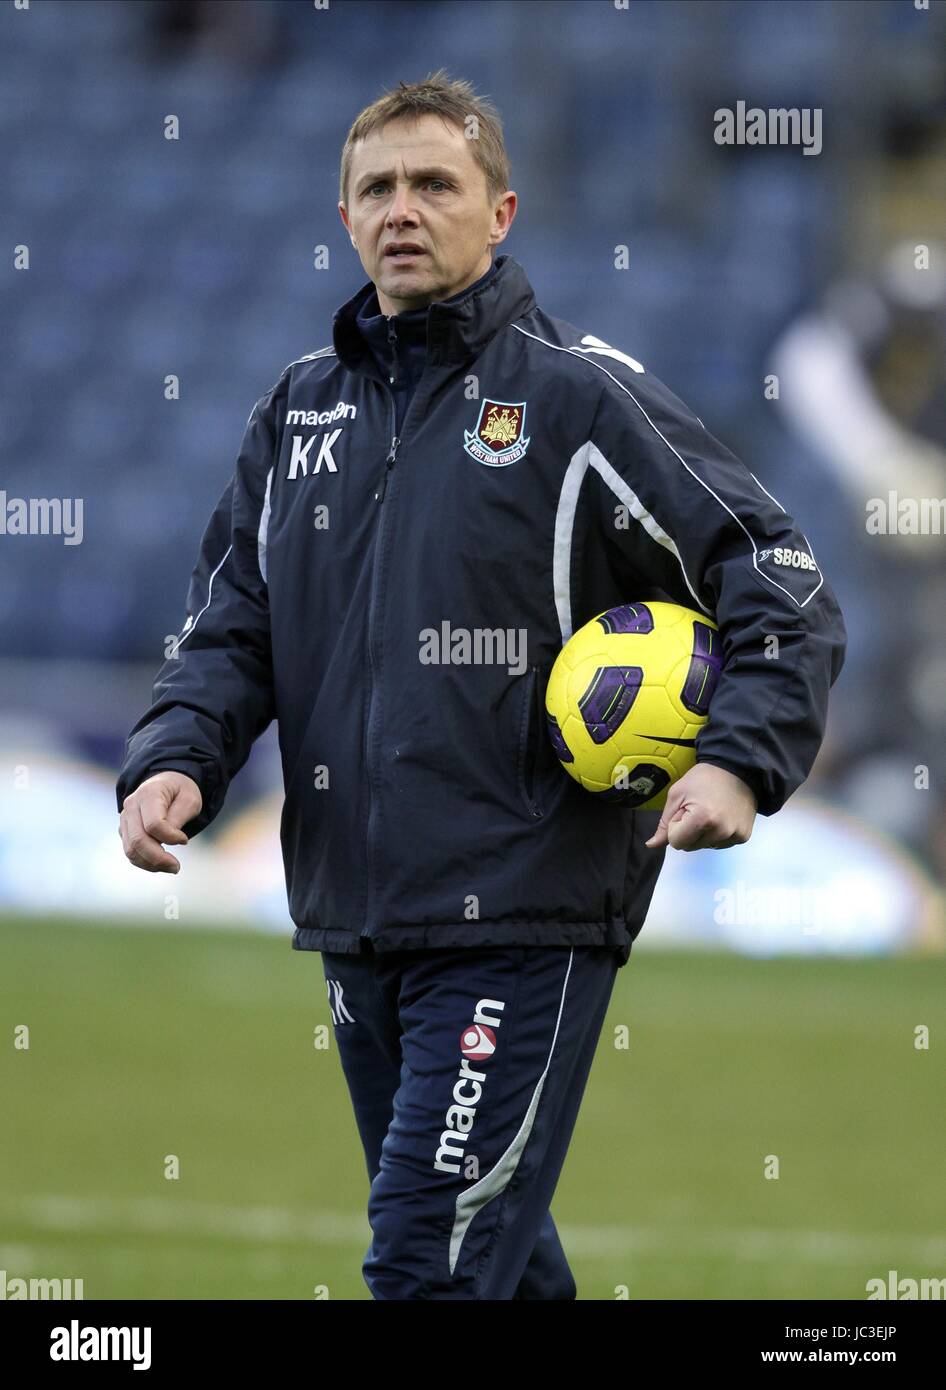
point(430, 183)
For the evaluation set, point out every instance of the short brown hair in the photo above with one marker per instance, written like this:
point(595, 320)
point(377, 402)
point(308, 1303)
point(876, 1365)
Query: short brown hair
point(438, 95)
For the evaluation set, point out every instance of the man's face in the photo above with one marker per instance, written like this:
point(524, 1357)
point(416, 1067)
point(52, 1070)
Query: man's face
point(415, 182)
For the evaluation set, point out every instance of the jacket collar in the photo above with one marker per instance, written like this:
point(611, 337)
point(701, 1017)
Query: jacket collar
point(399, 344)
point(457, 329)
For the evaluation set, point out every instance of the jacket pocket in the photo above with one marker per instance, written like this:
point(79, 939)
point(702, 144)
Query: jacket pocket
point(531, 723)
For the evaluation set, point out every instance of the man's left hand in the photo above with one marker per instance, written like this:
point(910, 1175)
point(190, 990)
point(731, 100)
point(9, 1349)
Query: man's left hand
point(708, 808)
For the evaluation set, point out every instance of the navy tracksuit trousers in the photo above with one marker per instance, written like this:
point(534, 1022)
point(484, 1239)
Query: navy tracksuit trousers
point(466, 1069)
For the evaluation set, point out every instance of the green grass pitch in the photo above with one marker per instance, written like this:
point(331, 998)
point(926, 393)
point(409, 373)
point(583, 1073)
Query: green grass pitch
point(200, 1044)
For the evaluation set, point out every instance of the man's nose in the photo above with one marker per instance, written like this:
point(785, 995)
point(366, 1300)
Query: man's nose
point(402, 205)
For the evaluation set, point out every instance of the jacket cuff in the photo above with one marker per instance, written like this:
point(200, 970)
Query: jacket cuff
point(752, 777)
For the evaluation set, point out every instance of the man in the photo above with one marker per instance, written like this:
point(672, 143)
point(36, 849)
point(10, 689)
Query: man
point(458, 462)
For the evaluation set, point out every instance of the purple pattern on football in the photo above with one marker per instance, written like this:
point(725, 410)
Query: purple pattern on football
point(706, 667)
point(608, 700)
point(629, 617)
point(562, 750)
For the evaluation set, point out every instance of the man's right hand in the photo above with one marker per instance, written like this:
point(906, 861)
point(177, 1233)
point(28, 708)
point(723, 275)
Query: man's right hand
point(152, 816)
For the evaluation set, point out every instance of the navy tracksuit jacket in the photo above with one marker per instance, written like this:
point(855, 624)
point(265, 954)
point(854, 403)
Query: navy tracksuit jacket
point(478, 465)
point(537, 477)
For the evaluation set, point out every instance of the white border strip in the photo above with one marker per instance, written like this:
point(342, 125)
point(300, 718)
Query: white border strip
point(262, 534)
point(189, 626)
point(572, 352)
point(474, 1198)
point(589, 455)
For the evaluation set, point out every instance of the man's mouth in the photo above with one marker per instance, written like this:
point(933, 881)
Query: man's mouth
point(406, 251)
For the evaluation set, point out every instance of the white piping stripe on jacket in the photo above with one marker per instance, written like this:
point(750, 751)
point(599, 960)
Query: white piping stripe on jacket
point(311, 356)
point(765, 490)
point(189, 626)
point(262, 534)
point(573, 352)
point(640, 513)
point(564, 529)
point(474, 1198)
point(589, 455)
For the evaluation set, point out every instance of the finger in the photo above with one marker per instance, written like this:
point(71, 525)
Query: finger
point(163, 821)
point(673, 808)
point(704, 841)
point(142, 849)
point(691, 833)
point(710, 838)
point(660, 835)
point(159, 827)
point(731, 843)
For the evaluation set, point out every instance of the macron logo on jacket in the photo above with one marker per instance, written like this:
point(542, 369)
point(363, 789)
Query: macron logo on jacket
point(299, 458)
point(321, 417)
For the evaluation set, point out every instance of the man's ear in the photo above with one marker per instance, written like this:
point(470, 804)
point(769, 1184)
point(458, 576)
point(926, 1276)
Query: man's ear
point(344, 217)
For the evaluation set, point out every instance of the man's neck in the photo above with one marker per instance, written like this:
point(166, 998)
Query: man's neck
point(390, 308)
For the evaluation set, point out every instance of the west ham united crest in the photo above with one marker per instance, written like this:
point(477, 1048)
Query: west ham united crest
point(499, 437)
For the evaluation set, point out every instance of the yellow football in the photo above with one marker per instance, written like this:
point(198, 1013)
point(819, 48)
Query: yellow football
point(627, 696)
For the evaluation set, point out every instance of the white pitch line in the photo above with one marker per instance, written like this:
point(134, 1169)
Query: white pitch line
point(751, 1243)
point(159, 1216)
point(21, 1257)
point(175, 1217)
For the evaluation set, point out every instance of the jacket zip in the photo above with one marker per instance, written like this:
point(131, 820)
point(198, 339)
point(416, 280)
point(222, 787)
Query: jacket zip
point(372, 605)
point(372, 670)
point(389, 463)
point(392, 453)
